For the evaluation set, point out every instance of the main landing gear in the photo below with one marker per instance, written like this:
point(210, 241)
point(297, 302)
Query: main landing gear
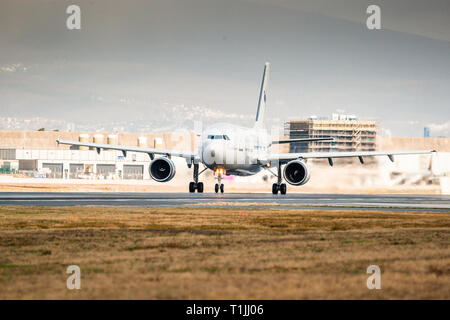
point(195, 185)
point(279, 186)
point(219, 185)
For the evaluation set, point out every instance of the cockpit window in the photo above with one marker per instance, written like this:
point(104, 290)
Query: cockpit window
point(218, 137)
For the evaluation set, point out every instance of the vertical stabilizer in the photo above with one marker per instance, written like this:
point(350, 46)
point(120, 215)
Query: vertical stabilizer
point(261, 111)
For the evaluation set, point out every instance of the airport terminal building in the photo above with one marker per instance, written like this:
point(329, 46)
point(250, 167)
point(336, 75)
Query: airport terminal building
point(79, 164)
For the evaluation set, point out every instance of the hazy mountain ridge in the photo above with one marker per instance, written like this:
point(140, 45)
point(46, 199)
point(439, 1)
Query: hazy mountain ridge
point(171, 117)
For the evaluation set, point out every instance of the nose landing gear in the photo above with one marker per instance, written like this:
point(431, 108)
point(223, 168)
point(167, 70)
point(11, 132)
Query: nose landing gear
point(219, 185)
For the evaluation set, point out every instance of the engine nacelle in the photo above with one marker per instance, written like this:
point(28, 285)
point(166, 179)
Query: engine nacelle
point(296, 172)
point(162, 169)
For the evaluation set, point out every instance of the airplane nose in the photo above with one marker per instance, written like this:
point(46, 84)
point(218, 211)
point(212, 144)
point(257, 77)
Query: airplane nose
point(213, 153)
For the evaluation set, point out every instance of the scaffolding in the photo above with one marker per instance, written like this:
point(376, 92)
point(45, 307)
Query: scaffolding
point(350, 135)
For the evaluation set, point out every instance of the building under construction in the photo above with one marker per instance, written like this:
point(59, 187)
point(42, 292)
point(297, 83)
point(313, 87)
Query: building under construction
point(350, 134)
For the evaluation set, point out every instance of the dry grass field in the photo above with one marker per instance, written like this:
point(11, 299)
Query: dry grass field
point(215, 253)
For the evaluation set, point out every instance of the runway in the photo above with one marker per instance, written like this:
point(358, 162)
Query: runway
point(440, 203)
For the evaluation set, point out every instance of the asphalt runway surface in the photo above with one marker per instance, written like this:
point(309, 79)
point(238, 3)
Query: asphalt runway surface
point(440, 203)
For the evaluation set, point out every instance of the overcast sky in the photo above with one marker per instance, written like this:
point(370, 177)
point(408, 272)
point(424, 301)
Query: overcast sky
point(132, 57)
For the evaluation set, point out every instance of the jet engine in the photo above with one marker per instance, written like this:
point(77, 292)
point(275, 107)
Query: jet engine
point(296, 172)
point(162, 169)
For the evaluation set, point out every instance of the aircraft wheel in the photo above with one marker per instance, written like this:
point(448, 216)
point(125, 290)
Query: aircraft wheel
point(275, 188)
point(283, 188)
point(191, 187)
point(222, 188)
point(216, 188)
point(200, 187)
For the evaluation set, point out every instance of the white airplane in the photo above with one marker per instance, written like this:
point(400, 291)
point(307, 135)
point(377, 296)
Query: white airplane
point(228, 149)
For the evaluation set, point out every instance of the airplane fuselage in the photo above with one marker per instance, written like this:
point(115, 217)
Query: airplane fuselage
point(233, 149)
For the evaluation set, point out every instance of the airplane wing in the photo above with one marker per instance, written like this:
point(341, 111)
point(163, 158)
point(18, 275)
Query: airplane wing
point(302, 140)
point(286, 157)
point(151, 151)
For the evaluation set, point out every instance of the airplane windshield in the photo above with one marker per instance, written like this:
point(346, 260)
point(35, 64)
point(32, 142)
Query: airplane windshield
point(218, 137)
